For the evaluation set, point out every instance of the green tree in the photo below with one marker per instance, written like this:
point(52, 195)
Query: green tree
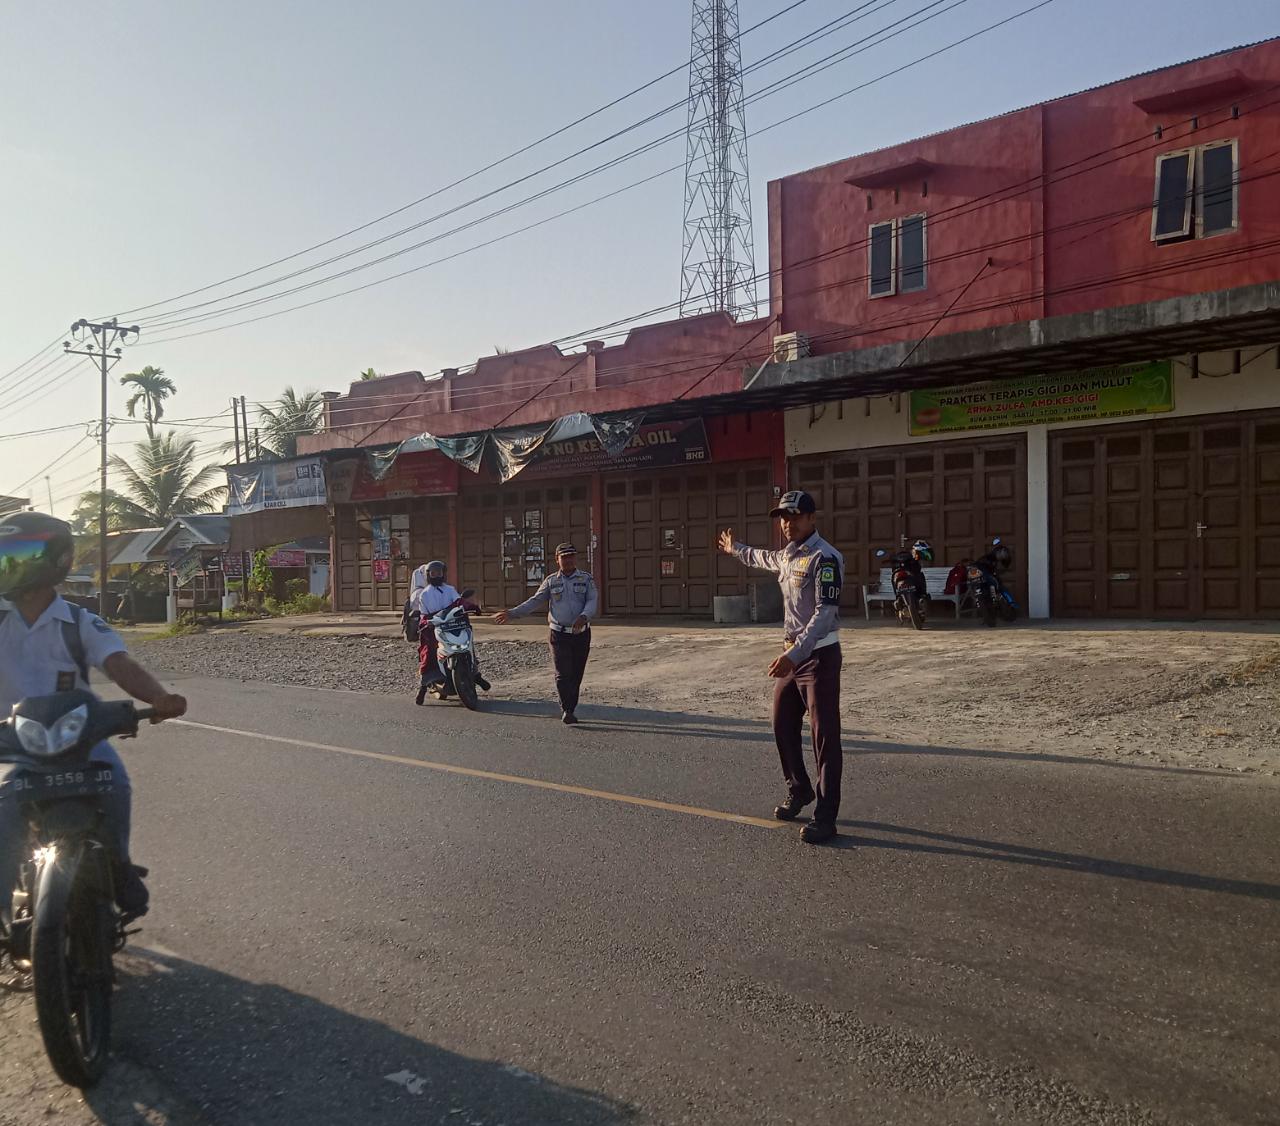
point(151, 387)
point(288, 417)
point(368, 374)
point(163, 481)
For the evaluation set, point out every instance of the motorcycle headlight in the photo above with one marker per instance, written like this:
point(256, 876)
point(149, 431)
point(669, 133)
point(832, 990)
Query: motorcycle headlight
point(974, 573)
point(67, 731)
point(32, 735)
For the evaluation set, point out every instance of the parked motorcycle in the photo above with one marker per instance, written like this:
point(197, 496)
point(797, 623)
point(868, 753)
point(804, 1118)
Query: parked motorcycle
point(457, 653)
point(991, 598)
point(904, 574)
point(65, 926)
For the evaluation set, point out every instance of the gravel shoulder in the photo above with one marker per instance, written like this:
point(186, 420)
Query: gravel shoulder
point(1205, 698)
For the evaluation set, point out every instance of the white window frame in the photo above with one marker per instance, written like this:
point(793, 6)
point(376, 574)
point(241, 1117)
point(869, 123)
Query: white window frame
point(1193, 213)
point(923, 216)
point(892, 224)
point(1188, 210)
point(1234, 145)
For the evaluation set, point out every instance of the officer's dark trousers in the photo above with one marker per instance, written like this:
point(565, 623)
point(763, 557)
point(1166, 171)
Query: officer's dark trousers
point(569, 652)
point(813, 687)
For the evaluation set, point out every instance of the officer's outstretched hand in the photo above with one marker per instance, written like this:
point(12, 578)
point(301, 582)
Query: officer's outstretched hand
point(782, 667)
point(501, 618)
point(726, 541)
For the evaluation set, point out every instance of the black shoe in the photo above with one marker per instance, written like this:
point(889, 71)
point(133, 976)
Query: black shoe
point(818, 832)
point(132, 896)
point(422, 695)
point(483, 684)
point(790, 809)
point(568, 717)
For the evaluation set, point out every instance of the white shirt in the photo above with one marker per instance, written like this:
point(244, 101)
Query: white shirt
point(429, 600)
point(34, 661)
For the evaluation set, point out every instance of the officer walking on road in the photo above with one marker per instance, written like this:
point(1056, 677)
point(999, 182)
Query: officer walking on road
point(810, 572)
point(570, 598)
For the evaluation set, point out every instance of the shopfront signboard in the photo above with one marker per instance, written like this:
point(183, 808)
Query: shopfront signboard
point(1121, 391)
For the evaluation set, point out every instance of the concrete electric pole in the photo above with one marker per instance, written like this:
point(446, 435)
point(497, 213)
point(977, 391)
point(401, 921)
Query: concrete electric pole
point(101, 344)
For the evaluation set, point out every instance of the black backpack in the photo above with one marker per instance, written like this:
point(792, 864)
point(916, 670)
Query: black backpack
point(410, 622)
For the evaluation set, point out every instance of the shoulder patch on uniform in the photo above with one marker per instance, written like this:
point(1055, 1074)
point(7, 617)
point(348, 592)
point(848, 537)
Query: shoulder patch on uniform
point(827, 574)
point(99, 624)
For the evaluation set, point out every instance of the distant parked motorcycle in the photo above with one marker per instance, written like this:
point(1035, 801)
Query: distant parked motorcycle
point(907, 580)
point(457, 654)
point(991, 598)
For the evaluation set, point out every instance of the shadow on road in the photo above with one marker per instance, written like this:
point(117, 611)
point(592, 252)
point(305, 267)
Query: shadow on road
point(873, 747)
point(977, 849)
point(249, 1053)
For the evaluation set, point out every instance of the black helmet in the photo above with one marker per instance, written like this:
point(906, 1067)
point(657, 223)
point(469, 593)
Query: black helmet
point(435, 569)
point(1002, 555)
point(35, 550)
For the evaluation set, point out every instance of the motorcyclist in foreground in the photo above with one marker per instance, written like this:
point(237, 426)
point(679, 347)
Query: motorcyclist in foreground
point(48, 645)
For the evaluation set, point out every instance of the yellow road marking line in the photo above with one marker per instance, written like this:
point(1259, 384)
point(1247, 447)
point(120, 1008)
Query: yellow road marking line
point(492, 776)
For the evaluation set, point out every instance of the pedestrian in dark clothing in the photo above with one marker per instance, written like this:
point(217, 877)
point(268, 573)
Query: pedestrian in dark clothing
point(810, 572)
point(570, 599)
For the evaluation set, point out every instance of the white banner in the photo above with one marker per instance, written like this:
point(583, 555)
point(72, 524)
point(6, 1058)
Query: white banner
point(276, 484)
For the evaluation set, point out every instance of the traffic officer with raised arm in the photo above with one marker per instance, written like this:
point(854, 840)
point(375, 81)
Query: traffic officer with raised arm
point(570, 598)
point(810, 572)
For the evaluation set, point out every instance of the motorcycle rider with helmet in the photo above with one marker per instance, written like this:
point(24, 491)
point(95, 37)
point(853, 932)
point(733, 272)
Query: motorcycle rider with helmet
point(921, 557)
point(48, 645)
point(429, 593)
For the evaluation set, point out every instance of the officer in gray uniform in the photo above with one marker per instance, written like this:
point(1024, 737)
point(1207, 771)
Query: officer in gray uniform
point(570, 599)
point(810, 572)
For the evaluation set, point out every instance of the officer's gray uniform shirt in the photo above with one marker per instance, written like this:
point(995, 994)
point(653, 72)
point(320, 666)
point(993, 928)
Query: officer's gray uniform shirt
point(810, 575)
point(566, 597)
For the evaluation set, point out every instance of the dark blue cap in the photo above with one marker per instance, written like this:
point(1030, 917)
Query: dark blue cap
point(797, 500)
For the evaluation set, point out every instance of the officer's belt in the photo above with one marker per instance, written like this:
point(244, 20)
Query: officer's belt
point(833, 638)
point(557, 628)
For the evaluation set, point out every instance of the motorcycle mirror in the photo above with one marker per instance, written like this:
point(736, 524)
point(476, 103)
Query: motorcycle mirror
point(468, 593)
point(881, 553)
point(996, 541)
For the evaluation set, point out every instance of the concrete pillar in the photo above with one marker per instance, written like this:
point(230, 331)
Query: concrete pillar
point(1037, 522)
point(594, 348)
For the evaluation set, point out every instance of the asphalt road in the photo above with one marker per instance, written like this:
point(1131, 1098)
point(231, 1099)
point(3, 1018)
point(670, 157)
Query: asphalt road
point(343, 938)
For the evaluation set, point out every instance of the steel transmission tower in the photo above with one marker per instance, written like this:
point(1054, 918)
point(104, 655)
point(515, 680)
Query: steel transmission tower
point(718, 263)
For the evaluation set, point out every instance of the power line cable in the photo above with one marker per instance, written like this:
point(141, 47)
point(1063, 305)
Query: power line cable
point(876, 38)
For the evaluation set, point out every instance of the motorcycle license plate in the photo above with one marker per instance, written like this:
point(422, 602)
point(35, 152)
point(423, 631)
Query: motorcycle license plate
point(30, 786)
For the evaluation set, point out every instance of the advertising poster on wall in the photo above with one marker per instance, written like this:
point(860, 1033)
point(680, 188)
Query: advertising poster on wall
point(380, 529)
point(1111, 392)
point(382, 570)
point(281, 484)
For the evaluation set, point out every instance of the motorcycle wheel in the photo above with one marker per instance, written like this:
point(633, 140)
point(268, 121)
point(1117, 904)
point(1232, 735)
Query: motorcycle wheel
point(915, 614)
point(986, 609)
point(464, 680)
point(71, 964)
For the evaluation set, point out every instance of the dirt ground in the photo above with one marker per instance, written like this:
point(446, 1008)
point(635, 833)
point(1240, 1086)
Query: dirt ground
point(1203, 696)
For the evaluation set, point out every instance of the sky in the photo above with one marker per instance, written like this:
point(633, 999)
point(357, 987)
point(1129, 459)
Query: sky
point(148, 149)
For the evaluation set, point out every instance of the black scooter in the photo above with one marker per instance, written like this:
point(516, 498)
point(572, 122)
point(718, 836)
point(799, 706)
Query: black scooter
point(906, 576)
point(991, 598)
point(65, 926)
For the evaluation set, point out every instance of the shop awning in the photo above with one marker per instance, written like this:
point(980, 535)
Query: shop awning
point(1155, 330)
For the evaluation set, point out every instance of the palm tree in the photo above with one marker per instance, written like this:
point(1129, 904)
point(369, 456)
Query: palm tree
point(163, 481)
point(152, 387)
point(291, 414)
point(368, 374)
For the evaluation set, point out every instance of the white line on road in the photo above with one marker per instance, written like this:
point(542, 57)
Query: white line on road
point(469, 772)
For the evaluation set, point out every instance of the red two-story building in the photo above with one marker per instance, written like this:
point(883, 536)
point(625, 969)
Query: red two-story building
point(1058, 327)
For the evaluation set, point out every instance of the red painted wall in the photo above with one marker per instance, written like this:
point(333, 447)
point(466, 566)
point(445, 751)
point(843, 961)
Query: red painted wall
point(655, 364)
point(1057, 196)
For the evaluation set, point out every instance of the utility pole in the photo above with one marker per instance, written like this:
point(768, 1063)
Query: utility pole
point(48, 484)
point(102, 346)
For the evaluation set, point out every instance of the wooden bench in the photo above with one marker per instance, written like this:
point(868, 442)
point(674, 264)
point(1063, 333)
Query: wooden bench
point(935, 582)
